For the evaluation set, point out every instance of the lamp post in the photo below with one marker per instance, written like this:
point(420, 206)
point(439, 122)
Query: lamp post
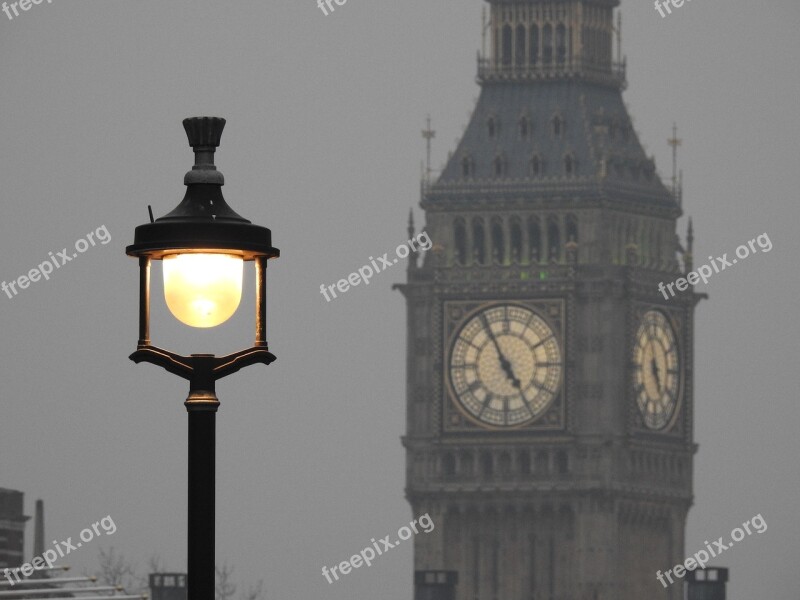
point(203, 245)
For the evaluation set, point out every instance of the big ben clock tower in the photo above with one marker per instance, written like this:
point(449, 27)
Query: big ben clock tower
point(550, 384)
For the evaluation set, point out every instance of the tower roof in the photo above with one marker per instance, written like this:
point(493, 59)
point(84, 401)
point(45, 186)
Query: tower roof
point(564, 136)
point(550, 120)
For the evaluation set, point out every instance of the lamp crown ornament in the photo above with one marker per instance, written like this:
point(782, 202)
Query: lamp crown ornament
point(204, 135)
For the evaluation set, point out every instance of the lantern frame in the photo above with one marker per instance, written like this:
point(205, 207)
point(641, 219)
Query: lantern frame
point(203, 222)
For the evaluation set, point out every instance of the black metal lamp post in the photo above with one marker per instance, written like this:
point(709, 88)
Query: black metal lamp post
point(203, 245)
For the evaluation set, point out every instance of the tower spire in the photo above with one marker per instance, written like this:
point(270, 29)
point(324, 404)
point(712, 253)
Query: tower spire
point(674, 141)
point(484, 27)
point(428, 134)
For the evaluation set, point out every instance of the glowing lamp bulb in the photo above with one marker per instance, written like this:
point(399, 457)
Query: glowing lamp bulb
point(203, 290)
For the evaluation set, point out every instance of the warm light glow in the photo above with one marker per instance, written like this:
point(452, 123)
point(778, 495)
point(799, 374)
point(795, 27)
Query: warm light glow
point(203, 290)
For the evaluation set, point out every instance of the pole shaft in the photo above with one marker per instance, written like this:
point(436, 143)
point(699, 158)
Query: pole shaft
point(200, 556)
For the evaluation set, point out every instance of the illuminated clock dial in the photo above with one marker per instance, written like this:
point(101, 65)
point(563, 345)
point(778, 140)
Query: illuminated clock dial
point(657, 376)
point(505, 366)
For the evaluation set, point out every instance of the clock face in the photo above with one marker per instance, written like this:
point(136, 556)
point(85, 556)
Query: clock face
point(657, 376)
point(505, 366)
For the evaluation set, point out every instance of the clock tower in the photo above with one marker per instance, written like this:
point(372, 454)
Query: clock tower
point(550, 383)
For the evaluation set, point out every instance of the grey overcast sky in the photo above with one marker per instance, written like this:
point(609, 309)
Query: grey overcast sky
point(323, 146)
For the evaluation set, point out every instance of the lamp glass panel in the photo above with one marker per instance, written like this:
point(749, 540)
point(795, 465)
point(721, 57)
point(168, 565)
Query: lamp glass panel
point(203, 289)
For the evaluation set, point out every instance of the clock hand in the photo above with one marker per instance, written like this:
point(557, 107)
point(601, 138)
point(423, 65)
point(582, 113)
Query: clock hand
point(503, 360)
point(510, 374)
point(654, 370)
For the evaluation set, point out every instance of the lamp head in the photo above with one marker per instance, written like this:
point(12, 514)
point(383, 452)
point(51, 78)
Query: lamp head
point(203, 241)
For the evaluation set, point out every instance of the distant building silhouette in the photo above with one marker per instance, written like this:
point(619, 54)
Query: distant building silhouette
point(168, 586)
point(12, 528)
point(435, 585)
point(38, 529)
point(706, 584)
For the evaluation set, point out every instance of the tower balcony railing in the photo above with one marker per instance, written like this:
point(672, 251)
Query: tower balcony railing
point(610, 73)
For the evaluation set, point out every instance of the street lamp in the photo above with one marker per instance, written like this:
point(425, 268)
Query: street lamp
point(203, 245)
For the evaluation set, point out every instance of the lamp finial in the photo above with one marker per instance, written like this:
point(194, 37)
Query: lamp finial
point(204, 135)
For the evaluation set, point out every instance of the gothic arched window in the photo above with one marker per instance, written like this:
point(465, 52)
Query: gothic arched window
point(460, 235)
point(478, 242)
point(547, 35)
point(491, 127)
point(561, 44)
point(519, 53)
point(570, 166)
point(524, 127)
point(559, 125)
point(534, 45)
point(467, 167)
point(534, 239)
point(572, 229)
point(507, 45)
point(516, 240)
point(499, 166)
point(498, 242)
point(536, 165)
point(553, 240)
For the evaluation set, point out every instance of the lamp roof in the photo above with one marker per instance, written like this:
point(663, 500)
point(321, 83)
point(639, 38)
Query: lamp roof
point(203, 220)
